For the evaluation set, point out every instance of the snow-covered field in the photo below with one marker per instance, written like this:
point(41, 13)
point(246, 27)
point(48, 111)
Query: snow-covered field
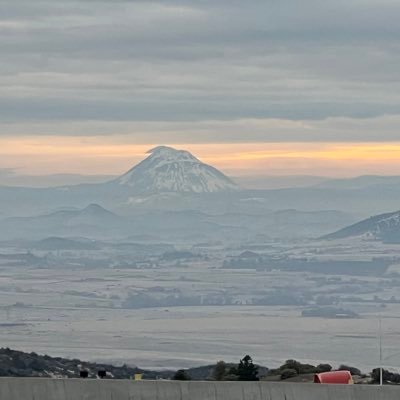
point(80, 312)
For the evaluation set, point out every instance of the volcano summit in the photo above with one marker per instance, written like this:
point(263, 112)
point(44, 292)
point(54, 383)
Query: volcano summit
point(170, 170)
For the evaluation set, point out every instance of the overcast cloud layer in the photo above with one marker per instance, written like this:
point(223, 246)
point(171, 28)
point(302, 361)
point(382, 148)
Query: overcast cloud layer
point(201, 70)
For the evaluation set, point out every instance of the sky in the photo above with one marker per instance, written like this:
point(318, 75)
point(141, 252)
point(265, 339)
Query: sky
point(262, 87)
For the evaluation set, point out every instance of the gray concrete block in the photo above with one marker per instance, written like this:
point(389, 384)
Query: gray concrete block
point(80, 389)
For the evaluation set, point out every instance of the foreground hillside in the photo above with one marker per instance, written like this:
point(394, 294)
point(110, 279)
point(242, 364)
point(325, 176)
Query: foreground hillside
point(20, 364)
point(15, 363)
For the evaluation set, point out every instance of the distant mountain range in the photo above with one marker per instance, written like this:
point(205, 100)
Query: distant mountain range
point(50, 180)
point(95, 222)
point(360, 182)
point(172, 195)
point(385, 227)
point(89, 221)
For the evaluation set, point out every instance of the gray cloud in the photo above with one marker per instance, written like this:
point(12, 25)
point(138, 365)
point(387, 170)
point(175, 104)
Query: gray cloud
point(132, 61)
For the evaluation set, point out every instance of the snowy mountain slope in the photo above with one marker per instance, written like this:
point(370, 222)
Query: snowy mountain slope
point(383, 227)
point(170, 170)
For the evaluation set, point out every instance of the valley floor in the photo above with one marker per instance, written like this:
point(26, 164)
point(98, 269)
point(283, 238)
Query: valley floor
point(59, 311)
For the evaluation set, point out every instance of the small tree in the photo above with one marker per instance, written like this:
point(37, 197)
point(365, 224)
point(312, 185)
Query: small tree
point(299, 367)
point(181, 375)
point(353, 370)
point(219, 371)
point(247, 371)
point(288, 373)
point(232, 374)
point(386, 375)
point(324, 368)
point(293, 365)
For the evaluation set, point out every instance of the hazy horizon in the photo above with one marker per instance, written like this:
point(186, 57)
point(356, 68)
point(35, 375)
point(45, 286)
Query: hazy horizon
point(247, 178)
point(96, 161)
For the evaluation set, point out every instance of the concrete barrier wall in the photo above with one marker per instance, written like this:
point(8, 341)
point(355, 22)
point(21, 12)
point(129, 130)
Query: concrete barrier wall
point(80, 389)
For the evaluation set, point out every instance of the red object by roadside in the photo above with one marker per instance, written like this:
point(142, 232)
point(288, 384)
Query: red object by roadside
point(334, 378)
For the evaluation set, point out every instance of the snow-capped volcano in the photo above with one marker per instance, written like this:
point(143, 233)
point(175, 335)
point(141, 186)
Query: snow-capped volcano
point(170, 170)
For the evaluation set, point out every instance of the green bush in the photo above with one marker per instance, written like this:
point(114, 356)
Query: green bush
point(353, 370)
point(321, 368)
point(181, 375)
point(288, 373)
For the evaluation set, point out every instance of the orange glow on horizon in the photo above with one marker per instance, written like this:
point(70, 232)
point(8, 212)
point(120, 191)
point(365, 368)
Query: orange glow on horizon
point(115, 154)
